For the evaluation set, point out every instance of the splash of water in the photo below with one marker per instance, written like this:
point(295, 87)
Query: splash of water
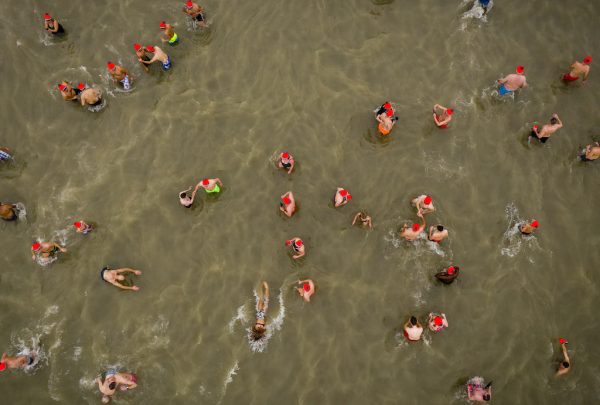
point(275, 324)
point(239, 316)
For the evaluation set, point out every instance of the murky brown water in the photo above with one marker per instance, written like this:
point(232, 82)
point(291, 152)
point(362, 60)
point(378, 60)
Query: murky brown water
point(304, 77)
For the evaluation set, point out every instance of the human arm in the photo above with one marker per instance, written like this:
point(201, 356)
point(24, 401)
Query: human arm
point(503, 80)
point(152, 60)
point(565, 353)
point(292, 166)
point(218, 180)
point(585, 76)
point(445, 320)
point(560, 124)
point(54, 25)
point(59, 247)
point(128, 270)
point(355, 218)
point(299, 255)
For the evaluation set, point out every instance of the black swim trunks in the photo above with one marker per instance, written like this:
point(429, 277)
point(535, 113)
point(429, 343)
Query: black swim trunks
point(199, 17)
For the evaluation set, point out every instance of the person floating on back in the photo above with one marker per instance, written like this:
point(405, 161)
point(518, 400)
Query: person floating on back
point(565, 365)
point(120, 74)
point(52, 26)
point(168, 34)
point(286, 161)
point(544, 133)
point(262, 305)
point(115, 277)
point(287, 205)
point(297, 247)
point(447, 276)
point(195, 11)
point(591, 152)
point(527, 228)
point(442, 116)
point(159, 56)
point(512, 82)
point(578, 69)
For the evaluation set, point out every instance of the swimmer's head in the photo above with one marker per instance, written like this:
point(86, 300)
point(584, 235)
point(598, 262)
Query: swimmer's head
point(438, 321)
point(182, 195)
point(387, 105)
point(189, 4)
point(413, 321)
point(486, 397)
point(565, 364)
point(112, 385)
point(520, 69)
point(285, 155)
point(587, 60)
point(450, 111)
point(81, 86)
point(298, 243)
point(258, 331)
point(535, 223)
point(536, 127)
point(451, 270)
point(562, 341)
point(286, 200)
point(77, 224)
point(2, 366)
point(306, 287)
point(345, 194)
point(440, 228)
point(110, 65)
point(415, 227)
point(137, 46)
point(427, 200)
point(149, 48)
point(62, 87)
point(163, 25)
point(553, 121)
point(47, 17)
point(36, 246)
point(389, 112)
point(205, 182)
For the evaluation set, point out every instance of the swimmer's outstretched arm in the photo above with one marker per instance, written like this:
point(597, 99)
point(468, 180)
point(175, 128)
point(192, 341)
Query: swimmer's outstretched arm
point(128, 270)
point(355, 218)
point(59, 247)
point(503, 80)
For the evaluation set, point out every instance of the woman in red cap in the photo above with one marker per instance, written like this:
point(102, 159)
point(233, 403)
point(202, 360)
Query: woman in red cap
point(412, 232)
point(442, 116)
point(341, 197)
point(578, 69)
point(67, 91)
point(195, 11)
point(286, 162)
point(527, 228)
point(297, 247)
point(386, 121)
point(45, 250)
point(437, 322)
point(52, 26)
point(447, 276)
point(307, 289)
point(424, 205)
point(288, 204)
point(82, 227)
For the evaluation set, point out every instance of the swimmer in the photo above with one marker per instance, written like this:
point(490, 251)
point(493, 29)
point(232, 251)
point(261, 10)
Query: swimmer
point(5, 154)
point(83, 227)
point(565, 365)
point(383, 108)
point(484, 4)
point(67, 91)
point(527, 228)
point(196, 12)
point(591, 152)
point(287, 204)
point(168, 35)
point(578, 69)
point(113, 380)
point(297, 247)
point(424, 205)
point(17, 361)
point(52, 26)
point(307, 289)
point(341, 197)
point(412, 232)
point(413, 330)
point(512, 82)
point(543, 134)
point(286, 162)
point(89, 95)
point(159, 56)
point(386, 122)
point(185, 199)
point(46, 249)
point(476, 390)
point(262, 305)
point(140, 52)
point(437, 233)
point(120, 74)
point(437, 322)
point(114, 277)
point(442, 115)
point(365, 220)
point(447, 276)
point(9, 212)
point(210, 185)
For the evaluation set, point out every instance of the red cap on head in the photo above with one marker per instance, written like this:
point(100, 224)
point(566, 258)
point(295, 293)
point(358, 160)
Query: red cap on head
point(2, 366)
point(36, 246)
point(562, 341)
point(349, 197)
point(536, 127)
point(285, 155)
point(587, 60)
point(137, 46)
point(62, 87)
point(298, 242)
point(387, 105)
point(520, 69)
point(150, 48)
point(343, 193)
point(438, 321)
point(389, 112)
point(47, 17)
point(110, 65)
point(306, 287)
point(81, 86)
point(286, 200)
point(427, 200)
point(205, 182)
point(77, 224)
point(415, 227)
point(450, 111)
point(288, 242)
point(163, 25)
point(450, 270)
point(189, 3)
point(535, 223)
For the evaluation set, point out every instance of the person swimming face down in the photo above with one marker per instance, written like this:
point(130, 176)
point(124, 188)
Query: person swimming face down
point(258, 331)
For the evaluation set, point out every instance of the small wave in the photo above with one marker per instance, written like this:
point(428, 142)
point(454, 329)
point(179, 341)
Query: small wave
point(99, 107)
point(229, 378)
point(239, 316)
point(21, 211)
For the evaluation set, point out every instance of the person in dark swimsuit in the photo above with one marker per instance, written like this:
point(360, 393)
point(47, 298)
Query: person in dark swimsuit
point(52, 26)
point(447, 276)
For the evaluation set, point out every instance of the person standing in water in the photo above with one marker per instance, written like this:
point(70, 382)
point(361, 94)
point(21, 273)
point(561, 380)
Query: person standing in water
point(168, 34)
point(386, 122)
point(527, 228)
point(442, 116)
point(115, 277)
point(17, 361)
point(141, 55)
point(437, 322)
point(112, 381)
point(412, 232)
point(413, 330)
point(341, 197)
point(365, 220)
point(262, 305)
point(9, 212)
point(437, 233)
point(185, 199)
point(46, 250)
point(288, 204)
point(210, 185)
point(578, 69)
point(512, 82)
point(83, 227)
point(89, 95)
point(67, 91)
point(477, 391)
point(297, 247)
point(307, 289)
point(544, 134)
point(159, 56)
point(196, 12)
point(5, 154)
point(591, 152)
point(424, 205)
point(120, 74)
point(565, 365)
point(52, 26)
point(447, 276)
point(286, 162)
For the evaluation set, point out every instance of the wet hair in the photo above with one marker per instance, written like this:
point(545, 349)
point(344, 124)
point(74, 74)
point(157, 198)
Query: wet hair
point(182, 195)
point(565, 364)
point(413, 320)
point(486, 397)
point(258, 333)
point(112, 385)
point(440, 228)
point(553, 120)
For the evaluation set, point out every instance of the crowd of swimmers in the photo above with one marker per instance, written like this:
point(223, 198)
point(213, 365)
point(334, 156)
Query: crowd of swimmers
point(112, 380)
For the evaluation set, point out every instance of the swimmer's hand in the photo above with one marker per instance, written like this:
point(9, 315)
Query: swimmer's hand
point(138, 272)
point(135, 288)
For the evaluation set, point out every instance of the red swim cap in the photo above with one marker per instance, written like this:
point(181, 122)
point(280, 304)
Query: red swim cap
point(349, 197)
point(36, 246)
point(450, 111)
point(189, 4)
point(47, 17)
point(535, 223)
point(77, 224)
point(286, 200)
point(536, 127)
point(205, 182)
point(343, 193)
point(415, 227)
point(150, 48)
point(306, 287)
point(298, 242)
point(81, 86)
point(387, 105)
point(587, 60)
point(2, 366)
point(520, 69)
point(389, 112)
point(137, 46)
point(110, 65)
point(450, 270)
point(163, 25)
point(288, 242)
point(62, 87)
point(438, 321)
point(285, 155)
point(562, 341)
point(427, 200)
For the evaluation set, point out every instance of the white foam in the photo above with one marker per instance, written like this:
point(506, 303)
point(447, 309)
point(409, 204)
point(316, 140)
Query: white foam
point(229, 378)
point(239, 316)
point(272, 326)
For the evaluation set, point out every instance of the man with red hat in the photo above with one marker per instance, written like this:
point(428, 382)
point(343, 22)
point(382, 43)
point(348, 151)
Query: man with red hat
point(52, 26)
point(159, 56)
point(169, 34)
point(307, 289)
point(140, 52)
point(210, 185)
point(17, 361)
point(286, 161)
point(386, 119)
point(120, 74)
point(288, 204)
point(8, 211)
point(195, 11)
point(442, 116)
point(45, 250)
point(82, 227)
point(544, 133)
point(424, 205)
point(412, 232)
point(512, 82)
point(565, 365)
point(437, 322)
point(527, 228)
point(578, 69)
point(297, 247)
point(341, 197)
point(67, 91)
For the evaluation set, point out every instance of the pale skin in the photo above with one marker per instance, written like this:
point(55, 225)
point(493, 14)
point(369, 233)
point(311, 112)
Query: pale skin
point(477, 393)
point(159, 56)
point(119, 73)
point(549, 128)
point(431, 323)
point(115, 276)
point(187, 200)
point(141, 54)
point(68, 94)
point(46, 249)
point(51, 25)
point(437, 236)
point(364, 219)
point(282, 160)
point(514, 81)
point(90, 96)
point(339, 200)
point(288, 209)
point(440, 115)
point(193, 12)
point(167, 33)
point(262, 306)
point(422, 208)
point(385, 121)
point(526, 228)
point(299, 251)
point(211, 184)
point(407, 232)
point(592, 152)
point(84, 227)
point(14, 362)
point(123, 382)
point(414, 332)
point(579, 69)
point(306, 294)
point(7, 211)
point(561, 368)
